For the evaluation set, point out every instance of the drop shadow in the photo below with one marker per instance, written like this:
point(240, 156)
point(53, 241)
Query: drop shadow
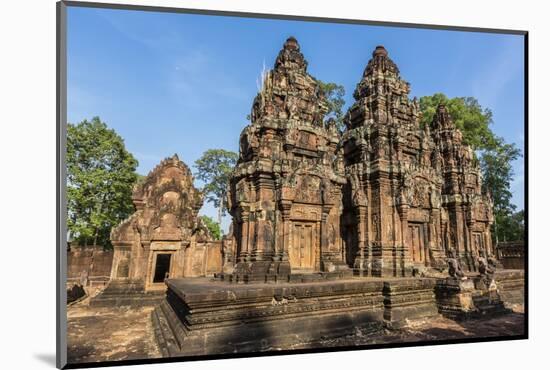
point(46, 358)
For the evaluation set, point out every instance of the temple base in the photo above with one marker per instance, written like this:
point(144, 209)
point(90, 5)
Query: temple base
point(202, 317)
point(127, 293)
point(480, 296)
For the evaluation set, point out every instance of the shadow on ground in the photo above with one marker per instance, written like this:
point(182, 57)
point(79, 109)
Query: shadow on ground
point(111, 334)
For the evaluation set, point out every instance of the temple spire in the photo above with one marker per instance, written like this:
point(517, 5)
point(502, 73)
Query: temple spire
point(290, 57)
point(380, 62)
point(442, 119)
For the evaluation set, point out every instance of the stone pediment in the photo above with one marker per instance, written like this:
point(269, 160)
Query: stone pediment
point(167, 206)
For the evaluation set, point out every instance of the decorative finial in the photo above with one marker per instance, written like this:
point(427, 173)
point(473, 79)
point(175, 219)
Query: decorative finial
point(441, 107)
point(380, 51)
point(292, 43)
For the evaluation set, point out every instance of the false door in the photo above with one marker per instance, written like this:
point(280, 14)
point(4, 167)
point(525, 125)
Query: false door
point(416, 240)
point(303, 244)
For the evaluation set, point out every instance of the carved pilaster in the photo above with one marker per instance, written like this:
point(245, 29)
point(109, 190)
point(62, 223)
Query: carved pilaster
point(361, 264)
point(244, 217)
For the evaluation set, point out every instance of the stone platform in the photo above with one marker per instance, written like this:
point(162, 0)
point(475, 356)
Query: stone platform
point(480, 296)
point(511, 286)
point(126, 293)
point(203, 317)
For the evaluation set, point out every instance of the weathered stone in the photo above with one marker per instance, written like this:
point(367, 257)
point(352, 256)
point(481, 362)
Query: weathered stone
point(311, 207)
point(163, 238)
point(414, 193)
point(285, 192)
point(511, 286)
point(201, 317)
point(409, 299)
point(511, 254)
point(463, 299)
point(88, 267)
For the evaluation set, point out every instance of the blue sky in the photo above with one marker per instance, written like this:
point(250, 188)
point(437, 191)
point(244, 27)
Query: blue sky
point(181, 83)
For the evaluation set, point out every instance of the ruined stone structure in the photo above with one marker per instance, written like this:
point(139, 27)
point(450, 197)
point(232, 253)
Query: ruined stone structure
point(413, 193)
point(285, 193)
point(164, 237)
point(340, 232)
point(88, 265)
point(511, 254)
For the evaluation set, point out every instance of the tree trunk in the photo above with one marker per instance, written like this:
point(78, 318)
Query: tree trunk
point(496, 230)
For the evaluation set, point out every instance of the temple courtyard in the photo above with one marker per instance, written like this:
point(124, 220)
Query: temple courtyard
point(378, 234)
point(127, 333)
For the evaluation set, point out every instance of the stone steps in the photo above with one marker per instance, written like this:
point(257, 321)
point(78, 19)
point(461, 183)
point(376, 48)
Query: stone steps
point(126, 294)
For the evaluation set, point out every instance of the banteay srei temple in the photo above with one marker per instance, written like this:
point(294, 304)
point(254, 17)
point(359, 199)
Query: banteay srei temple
point(331, 231)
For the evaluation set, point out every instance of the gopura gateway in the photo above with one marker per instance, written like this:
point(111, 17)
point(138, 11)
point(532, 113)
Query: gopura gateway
point(163, 238)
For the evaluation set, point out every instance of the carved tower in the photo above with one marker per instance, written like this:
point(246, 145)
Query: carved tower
point(285, 192)
point(414, 193)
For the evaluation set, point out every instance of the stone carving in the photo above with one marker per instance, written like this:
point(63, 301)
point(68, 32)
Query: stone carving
point(427, 173)
point(455, 268)
point(298, 183)
point(484, 268)
point(165, 223)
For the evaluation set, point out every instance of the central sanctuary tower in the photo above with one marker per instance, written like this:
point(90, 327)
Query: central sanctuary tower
point(285, 194)
point(413, 196)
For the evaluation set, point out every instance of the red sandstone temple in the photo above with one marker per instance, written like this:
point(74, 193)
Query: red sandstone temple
point(335, 231)
point(385, 198)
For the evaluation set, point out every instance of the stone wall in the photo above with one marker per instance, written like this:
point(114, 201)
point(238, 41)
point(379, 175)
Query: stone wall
point(89, 265)
point(511, 254)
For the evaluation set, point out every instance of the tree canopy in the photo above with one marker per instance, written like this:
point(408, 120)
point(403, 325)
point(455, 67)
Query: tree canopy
point(214, 168)
point(214, 227)
point(468, 115)
point(335, 97)
point(100, 177)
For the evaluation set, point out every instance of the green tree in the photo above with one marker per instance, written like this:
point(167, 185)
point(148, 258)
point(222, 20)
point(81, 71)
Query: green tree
point(468, 115)
point(100, 177)
point(494, 154)
point(512, 228)
point(498, 173)
point(214, 227)
point(335, 97)
point(214, 169)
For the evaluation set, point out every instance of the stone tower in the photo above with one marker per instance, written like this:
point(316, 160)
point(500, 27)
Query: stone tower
point(413, 192)
point(467, 214)
point(285, 192)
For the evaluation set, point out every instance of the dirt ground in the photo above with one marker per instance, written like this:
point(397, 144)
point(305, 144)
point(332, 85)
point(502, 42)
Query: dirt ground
point(107, 334)
point(439, 328)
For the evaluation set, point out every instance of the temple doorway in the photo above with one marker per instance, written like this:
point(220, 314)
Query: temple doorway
point(162, 267)
point(302, 249)
point(416, 240)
